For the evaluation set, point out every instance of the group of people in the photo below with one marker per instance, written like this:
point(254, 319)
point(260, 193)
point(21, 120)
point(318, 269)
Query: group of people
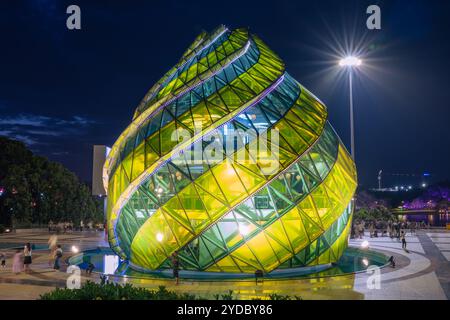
point(69, 226)
point(21, 260)
point(393, 229)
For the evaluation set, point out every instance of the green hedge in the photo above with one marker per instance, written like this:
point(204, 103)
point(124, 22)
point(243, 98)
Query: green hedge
point(113, 291)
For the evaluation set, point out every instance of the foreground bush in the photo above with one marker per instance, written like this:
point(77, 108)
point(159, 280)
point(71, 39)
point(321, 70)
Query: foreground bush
point(113, 291)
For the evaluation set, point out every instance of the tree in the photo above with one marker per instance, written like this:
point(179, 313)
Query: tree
point(36, 190)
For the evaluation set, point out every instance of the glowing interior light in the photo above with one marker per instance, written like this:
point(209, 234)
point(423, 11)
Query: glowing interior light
point(365, 244)
point(350, 61)
point(243, 230)
point(75, 249)
point(159, 237)
point(365, 262)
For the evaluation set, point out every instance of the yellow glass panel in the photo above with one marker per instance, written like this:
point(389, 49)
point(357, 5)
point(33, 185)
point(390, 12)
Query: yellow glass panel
point(230, 98)
point(244, 254)
point(276, 231)
point(201, 116)
point(176, 210)
point(229, 182)
point(150, 156)
point(290, 135)
point(307, 206)
point(138, 161)
point(281, 252)
point(226, 264)
point(214, 207)
point(194, 208)
point(263, 251)
point(295, 230)
point(324, 258)
point(154, 239)
point(127, 164)
point(169, 137)
point(250, 180)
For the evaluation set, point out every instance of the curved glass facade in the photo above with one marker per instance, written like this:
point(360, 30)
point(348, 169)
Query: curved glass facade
point(230, 163)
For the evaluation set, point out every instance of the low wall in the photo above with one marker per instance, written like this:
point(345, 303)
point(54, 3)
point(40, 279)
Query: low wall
point(31, 230)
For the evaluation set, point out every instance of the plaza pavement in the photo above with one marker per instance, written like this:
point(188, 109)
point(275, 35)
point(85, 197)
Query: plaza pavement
point(422, 273)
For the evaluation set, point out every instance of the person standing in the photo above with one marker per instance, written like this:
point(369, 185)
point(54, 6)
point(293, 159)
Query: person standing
point(52, 247)
point(402, 237)
point(176, 267)
point(58, 256)
point(27, 257)
point(3, 259)
point(17, 262)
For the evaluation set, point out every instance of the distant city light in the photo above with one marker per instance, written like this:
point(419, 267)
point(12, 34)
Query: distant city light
point(409, 187)
point(426, 174)
point(424, 185)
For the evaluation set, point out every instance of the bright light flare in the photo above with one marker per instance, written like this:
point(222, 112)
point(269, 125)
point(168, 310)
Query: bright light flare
point(365, 244)
point(350, 61)
point(75, 249)
point(159, 237)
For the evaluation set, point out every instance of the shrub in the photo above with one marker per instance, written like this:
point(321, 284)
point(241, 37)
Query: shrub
point(113, 291)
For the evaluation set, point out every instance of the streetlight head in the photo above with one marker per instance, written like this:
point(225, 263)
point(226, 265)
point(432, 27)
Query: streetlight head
point(350, 61)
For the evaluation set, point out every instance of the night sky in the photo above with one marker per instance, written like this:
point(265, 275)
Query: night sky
point(62, 91)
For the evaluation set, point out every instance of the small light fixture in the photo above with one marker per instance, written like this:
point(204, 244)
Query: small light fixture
point(365, 262)
point(365, 244)
point(75, 249)
point(159, 237)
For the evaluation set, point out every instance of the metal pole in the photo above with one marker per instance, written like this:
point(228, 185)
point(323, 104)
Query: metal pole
point(352, 126)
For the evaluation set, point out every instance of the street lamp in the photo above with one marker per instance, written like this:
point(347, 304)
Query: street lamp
point(351, 62)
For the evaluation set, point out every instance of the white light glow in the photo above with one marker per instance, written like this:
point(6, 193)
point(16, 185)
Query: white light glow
point(365, 262)
point(159, 236)
point(243, 230)
point(365, 244)
point(350, 61)
point(75, 249)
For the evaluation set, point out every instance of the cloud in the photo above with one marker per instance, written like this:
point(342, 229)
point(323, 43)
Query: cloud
point(36, 129)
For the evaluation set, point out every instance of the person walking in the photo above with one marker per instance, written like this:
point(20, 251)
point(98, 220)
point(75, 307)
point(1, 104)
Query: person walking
point(52, 247)
point(17, 262)
point(3, 259)
point(176, 267)
point(402, 237)
point(58, 256)
point(27, 257)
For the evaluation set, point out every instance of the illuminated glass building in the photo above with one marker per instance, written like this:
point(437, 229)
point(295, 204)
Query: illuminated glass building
point(244, 211)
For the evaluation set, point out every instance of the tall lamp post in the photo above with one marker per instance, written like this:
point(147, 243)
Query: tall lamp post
point(350, 63)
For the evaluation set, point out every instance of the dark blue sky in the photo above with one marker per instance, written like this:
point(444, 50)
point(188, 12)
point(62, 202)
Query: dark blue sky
point(62, 91)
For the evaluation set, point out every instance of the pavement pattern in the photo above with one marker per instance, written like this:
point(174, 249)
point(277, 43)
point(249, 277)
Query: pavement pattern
point(422, 272)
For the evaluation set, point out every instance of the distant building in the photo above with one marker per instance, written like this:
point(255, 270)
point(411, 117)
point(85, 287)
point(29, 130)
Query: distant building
point(99, 157)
